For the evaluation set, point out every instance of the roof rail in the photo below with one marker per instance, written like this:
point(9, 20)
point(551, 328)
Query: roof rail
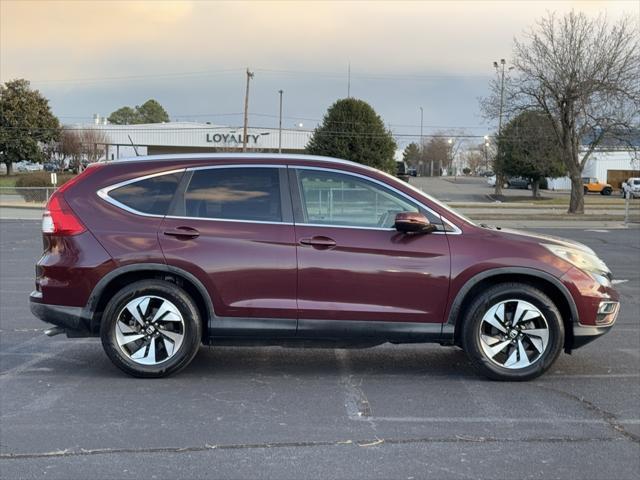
point(228, 156)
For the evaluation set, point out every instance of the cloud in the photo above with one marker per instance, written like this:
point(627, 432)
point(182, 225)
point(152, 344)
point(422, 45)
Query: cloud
point(56, 39)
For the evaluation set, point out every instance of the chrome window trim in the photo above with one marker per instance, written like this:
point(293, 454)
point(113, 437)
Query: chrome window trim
point(103, 193)
point(233, 220)
point(456, 229)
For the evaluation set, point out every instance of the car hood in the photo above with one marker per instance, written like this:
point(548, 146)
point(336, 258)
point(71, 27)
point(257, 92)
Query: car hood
point(542, 238)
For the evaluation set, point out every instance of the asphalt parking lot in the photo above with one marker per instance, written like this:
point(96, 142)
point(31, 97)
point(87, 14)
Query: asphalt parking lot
point(407, 412)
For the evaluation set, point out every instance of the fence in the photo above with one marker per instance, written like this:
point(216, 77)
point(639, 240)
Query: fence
point(25, 195)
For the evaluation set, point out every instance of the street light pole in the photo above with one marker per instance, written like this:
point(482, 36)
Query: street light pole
point(499, 177)
point(486, 153)
point(246, 112)
point(280, 125)
point(421, 138)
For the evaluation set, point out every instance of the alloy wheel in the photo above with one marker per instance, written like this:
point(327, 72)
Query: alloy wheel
point(149, 330)
point(514, 334)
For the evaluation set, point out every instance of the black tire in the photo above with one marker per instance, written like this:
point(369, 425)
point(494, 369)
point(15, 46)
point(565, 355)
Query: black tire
point(471, 328)
point(606, 191)
point(192, 329)
point(586, 190)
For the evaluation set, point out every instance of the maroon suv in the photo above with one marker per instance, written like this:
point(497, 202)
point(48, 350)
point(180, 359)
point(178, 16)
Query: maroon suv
point(159, 254)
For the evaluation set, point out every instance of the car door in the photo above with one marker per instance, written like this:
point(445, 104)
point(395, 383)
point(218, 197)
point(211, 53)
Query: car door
point(231, 226)
point(356, 273)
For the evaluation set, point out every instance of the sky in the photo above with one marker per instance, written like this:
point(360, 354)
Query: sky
point(95, 56)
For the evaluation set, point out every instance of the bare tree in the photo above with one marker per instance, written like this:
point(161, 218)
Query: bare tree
point(94, 143)
point(70, 148)
point(583, 75)
point(474, 158)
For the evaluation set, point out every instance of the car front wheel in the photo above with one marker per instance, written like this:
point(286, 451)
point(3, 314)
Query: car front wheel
point(512, 332)
point(151, 328)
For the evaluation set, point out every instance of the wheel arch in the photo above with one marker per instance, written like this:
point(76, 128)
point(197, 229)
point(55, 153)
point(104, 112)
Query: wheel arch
point(116, 279)
point(549, 284)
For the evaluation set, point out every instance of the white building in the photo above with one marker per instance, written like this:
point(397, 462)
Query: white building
point(608, 166)
point(190, 137)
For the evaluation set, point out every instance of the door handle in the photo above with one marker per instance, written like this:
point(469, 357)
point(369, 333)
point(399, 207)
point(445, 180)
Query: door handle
point(185, 233)
point(319, 242)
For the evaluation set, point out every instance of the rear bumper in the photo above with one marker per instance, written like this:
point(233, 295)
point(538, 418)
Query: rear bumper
point(72, 319)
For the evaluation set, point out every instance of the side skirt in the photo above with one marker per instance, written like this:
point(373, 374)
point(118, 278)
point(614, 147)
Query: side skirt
point(324, 333)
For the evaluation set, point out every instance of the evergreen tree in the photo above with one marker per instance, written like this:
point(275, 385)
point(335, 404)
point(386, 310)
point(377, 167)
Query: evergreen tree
point(529, 148)
point(352, 130)
point(149, 112)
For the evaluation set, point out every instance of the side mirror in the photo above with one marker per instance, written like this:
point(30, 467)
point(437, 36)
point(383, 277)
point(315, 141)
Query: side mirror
point(413, 222)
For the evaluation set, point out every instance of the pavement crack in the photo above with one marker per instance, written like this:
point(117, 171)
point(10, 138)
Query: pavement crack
point(370, 442)
point(609, 418)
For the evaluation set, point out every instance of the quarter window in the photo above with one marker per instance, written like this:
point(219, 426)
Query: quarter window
point(251, 194)
point(333, 198)
point(151, 195)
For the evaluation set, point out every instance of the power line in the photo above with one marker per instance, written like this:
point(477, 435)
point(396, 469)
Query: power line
point(137, 77)
point(326, 74)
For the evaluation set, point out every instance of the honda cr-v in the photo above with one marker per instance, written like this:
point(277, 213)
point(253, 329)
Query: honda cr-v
point(157, 255)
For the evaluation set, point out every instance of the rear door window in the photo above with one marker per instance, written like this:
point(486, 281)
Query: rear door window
point(249, 194)
point(150, 195)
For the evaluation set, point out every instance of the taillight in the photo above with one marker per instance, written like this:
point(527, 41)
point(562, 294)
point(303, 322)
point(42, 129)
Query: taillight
point(58, 218)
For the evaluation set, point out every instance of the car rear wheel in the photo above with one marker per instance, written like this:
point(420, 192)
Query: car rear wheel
point(586, 190)
point(606, 191)
point(513, 332)
point(151, 328)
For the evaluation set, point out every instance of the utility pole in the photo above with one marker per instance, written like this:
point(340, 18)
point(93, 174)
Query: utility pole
point(499, 177)
point(280, 125)
point(246, 112)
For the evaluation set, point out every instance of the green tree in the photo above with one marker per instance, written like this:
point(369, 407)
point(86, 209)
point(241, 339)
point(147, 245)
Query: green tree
point(152, 112)
point(530, 149)
point(124, 116)
point(352, 130)
point(412, 155)
point(26, 123)
point(149, 112)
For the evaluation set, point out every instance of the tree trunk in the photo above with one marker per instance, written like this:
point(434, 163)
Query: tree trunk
point(576, 202)
point(9, 168)
point(535, 188)
point(499, 183)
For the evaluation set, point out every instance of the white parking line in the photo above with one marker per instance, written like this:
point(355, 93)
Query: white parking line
point(499, 420)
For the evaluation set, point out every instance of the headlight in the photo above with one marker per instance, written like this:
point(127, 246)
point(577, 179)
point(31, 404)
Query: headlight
point(585, 261)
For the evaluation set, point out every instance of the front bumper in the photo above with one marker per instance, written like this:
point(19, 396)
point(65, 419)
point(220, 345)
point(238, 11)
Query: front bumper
point(72, 319)
point(606, 317)
point(584, 334)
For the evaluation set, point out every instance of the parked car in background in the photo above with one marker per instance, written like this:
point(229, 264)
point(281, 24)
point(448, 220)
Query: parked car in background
point(492, 181)
point(518, 182)
point(159, 254)
point(632, 185)
point(593, 185)
point(413, 171)
point(487, 173)
point(24, 167)
point(402, 171)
